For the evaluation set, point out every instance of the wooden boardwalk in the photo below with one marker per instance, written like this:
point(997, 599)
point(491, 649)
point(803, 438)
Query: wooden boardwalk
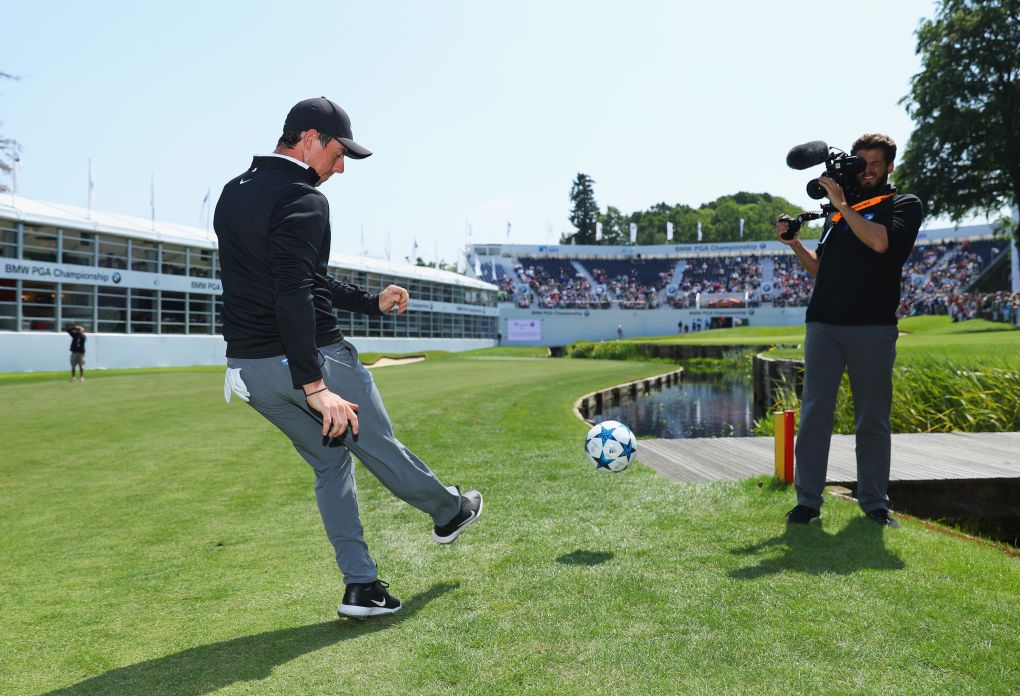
point(915, 457)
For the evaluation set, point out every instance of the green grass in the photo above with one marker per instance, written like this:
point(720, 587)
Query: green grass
point(740, 336)
point(922, 338)
point(156, 541)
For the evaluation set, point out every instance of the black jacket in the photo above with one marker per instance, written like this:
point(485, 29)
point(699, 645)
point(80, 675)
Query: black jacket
point(77, 341)
point(278, 299)
point(856, 285)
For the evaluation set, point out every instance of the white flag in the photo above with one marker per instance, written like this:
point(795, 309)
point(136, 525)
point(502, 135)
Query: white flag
point(633, 232)
point(669, 231)
point(598, 231)
point(478, 266)
point(741, 228)
point(508, 230)
point(699, 230)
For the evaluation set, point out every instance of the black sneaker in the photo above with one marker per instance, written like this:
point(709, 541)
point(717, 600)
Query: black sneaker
point(802, 514)
point(883, 517)
point(364, 599)
point(470, 510)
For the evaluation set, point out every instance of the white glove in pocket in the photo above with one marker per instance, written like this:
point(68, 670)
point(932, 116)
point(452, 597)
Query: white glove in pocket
point(232, 382)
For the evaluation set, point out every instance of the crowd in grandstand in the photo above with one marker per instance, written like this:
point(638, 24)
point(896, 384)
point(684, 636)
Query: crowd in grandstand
point(935, 279)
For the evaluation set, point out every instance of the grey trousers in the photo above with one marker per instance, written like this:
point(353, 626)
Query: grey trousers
point(272, 394)
point(867, 353)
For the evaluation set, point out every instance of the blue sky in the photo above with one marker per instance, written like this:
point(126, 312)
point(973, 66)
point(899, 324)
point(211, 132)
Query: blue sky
point(479, 113)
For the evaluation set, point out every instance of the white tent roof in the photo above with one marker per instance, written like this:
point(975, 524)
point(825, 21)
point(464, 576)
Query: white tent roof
point(71, 217)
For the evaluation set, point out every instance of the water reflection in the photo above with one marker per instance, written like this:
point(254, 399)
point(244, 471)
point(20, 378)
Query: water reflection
point(716, 406)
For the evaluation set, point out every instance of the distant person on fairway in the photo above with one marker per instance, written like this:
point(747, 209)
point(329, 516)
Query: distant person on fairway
point(851, 326)
point(77, 333)
point(286, 355)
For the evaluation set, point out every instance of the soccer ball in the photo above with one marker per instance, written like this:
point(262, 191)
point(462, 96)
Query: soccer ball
point(610, 446)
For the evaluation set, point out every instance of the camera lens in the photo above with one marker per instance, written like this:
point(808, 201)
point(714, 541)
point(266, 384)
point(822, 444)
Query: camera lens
point(815, 190)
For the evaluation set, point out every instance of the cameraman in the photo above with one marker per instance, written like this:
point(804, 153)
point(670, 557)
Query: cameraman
point(851, 326)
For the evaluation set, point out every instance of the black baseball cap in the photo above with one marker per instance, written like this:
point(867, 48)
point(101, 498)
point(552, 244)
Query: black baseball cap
point(326, 117)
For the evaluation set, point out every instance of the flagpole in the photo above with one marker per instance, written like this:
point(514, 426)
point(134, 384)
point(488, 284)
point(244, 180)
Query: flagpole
point(152, 198)
point(208, 208)
point(89, 214)
point(14, 177)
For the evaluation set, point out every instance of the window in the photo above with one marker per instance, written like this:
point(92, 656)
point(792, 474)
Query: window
point(143, 311)
point(144, 256)
point(112, 305)
point(8, 305)
point(78, 248)
point(358, 324)
point(218, 313)
point(200, 262)
point(76, 302)
point(175, 259)
point(200, 313)
point(413, 324)
point(172, 313)
point(113, 251)
point(38, 306)
point(8, 242)
point(40, 244)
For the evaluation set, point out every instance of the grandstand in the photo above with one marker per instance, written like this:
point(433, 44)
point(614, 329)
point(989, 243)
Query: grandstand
point(553, 294)
point(148, 293)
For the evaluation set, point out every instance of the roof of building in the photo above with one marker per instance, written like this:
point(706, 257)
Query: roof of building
point(31, 211)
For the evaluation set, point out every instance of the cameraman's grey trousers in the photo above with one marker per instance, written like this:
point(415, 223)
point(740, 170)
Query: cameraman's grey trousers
point(272, 394)
point(867, 353)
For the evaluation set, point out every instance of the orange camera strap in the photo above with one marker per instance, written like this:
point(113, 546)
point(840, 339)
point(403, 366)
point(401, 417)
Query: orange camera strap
point(862, 205)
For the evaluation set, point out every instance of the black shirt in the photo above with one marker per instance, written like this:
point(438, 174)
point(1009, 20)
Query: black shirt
point(856, 285)
point(77, 341)
point(278, 299)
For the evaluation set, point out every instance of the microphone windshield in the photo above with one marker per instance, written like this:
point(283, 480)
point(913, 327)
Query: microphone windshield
point(807, 155)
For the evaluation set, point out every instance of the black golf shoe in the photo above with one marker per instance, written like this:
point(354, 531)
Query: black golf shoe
point(365, 599)
point(470, 511)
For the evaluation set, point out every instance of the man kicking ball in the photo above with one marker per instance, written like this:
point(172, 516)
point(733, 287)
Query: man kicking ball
point(287, 358)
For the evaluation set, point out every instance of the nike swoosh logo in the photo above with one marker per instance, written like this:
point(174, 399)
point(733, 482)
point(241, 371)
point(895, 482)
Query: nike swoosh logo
point(380, 603)
point(244, 181)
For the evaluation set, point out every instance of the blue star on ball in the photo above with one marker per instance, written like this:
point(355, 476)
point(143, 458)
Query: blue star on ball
point(628, 450)
point(606, 434)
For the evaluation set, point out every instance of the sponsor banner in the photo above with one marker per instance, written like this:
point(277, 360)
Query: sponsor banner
point(452, 308)
point(524, 329)
point(42, 271)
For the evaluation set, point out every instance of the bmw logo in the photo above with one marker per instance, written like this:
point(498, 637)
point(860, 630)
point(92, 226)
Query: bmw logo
point(116, 277)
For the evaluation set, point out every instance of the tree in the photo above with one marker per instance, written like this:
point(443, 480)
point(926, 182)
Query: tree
point(443, 264)
point(9, 147)
point(585, 211)
point(720, 220)
point(964, 153)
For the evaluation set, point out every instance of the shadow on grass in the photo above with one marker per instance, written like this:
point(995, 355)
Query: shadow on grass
point(584, 557)
point(809, 549)
point(209, 668)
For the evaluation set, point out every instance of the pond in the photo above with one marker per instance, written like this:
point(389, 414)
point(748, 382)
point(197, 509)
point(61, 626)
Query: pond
point(699, 406)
